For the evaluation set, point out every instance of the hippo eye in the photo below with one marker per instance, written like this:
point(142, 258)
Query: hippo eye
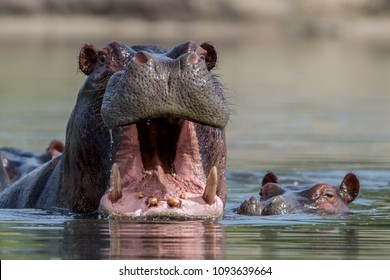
point(102, 59)
point(329, 195)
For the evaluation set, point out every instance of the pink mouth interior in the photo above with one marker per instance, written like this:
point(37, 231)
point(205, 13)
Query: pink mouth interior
point(161, 159)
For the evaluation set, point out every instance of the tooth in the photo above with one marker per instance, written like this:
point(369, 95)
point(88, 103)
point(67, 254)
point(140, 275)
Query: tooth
point(210, 190)
point(152, 201)
point(183, 195)
point(115, 184)
point(174, 202)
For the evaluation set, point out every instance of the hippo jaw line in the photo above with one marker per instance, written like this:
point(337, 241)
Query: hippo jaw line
point(158, 173)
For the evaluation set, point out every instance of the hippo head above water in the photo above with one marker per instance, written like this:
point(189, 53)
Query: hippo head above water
point(145, 139)
point(170, 151)
point(321, 199)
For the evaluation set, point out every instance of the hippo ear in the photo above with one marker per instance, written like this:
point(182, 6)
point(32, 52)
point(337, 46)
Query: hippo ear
point(211, 56)
point(55, 148)
point(349, 188)
point(269, 178)
point(88, 58)
point(269, 186)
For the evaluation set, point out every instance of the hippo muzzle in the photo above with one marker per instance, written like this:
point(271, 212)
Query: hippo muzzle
point(165, 85)
point(169, 152)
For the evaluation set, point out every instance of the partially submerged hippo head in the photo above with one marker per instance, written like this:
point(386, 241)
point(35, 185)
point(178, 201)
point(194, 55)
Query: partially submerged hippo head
point(320, 199)
point(170, 155)
point(16, 162)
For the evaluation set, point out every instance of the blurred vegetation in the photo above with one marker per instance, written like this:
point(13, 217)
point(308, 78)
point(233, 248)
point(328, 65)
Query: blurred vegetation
point(365, 20)
point(194, 9)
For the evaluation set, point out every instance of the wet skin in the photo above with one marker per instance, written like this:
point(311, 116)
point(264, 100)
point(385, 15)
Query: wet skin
point(145, 139)
point(321, 199)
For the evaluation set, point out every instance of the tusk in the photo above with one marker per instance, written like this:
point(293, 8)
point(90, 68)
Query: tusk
point(115, 184)
point(210, 190)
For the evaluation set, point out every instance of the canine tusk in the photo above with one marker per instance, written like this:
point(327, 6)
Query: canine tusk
point(210, 191)
point(115, 184)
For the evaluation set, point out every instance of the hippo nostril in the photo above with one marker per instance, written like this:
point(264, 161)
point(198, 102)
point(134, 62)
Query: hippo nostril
point(193, 58)
point(141, 57)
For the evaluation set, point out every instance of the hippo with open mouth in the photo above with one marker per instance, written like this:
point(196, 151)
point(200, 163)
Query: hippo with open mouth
point(321, 199)
point(145, 139)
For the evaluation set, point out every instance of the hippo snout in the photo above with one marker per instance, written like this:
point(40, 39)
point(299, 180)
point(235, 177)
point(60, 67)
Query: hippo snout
point(155, 85)
point(277, 206)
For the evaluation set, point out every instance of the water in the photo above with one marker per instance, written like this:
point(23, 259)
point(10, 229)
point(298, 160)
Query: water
point(309, 111)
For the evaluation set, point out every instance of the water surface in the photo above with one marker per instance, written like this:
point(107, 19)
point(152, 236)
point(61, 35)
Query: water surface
point(309, 111)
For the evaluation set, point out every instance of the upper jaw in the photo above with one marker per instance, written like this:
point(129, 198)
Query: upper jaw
point(144, 186)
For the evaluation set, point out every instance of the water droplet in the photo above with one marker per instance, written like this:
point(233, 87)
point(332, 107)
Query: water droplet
point(111, 138)
point(111, 145)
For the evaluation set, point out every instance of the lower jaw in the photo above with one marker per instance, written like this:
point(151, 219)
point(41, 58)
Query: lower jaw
point(190, 208)
point(162, 196)
point(200, 200)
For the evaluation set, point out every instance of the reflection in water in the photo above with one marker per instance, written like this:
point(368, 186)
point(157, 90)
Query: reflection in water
point(309, 243)
point(34, 234)
point(176, 240)
point(84, 239)
point(121, 239)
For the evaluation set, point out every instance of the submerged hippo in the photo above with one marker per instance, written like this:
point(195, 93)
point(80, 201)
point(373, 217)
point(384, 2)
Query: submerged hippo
point(320, 199)
point(145, 139)
point(15, 163)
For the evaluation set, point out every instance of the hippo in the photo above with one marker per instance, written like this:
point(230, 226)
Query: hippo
point(146, 138)
point(17, 163)
point(321, 199)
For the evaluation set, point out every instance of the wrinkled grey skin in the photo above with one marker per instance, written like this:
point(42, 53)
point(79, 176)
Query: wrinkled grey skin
point(172, 84)
point(321, 199)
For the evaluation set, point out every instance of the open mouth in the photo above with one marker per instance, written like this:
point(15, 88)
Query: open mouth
point(171, 113)
point(158, 172)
